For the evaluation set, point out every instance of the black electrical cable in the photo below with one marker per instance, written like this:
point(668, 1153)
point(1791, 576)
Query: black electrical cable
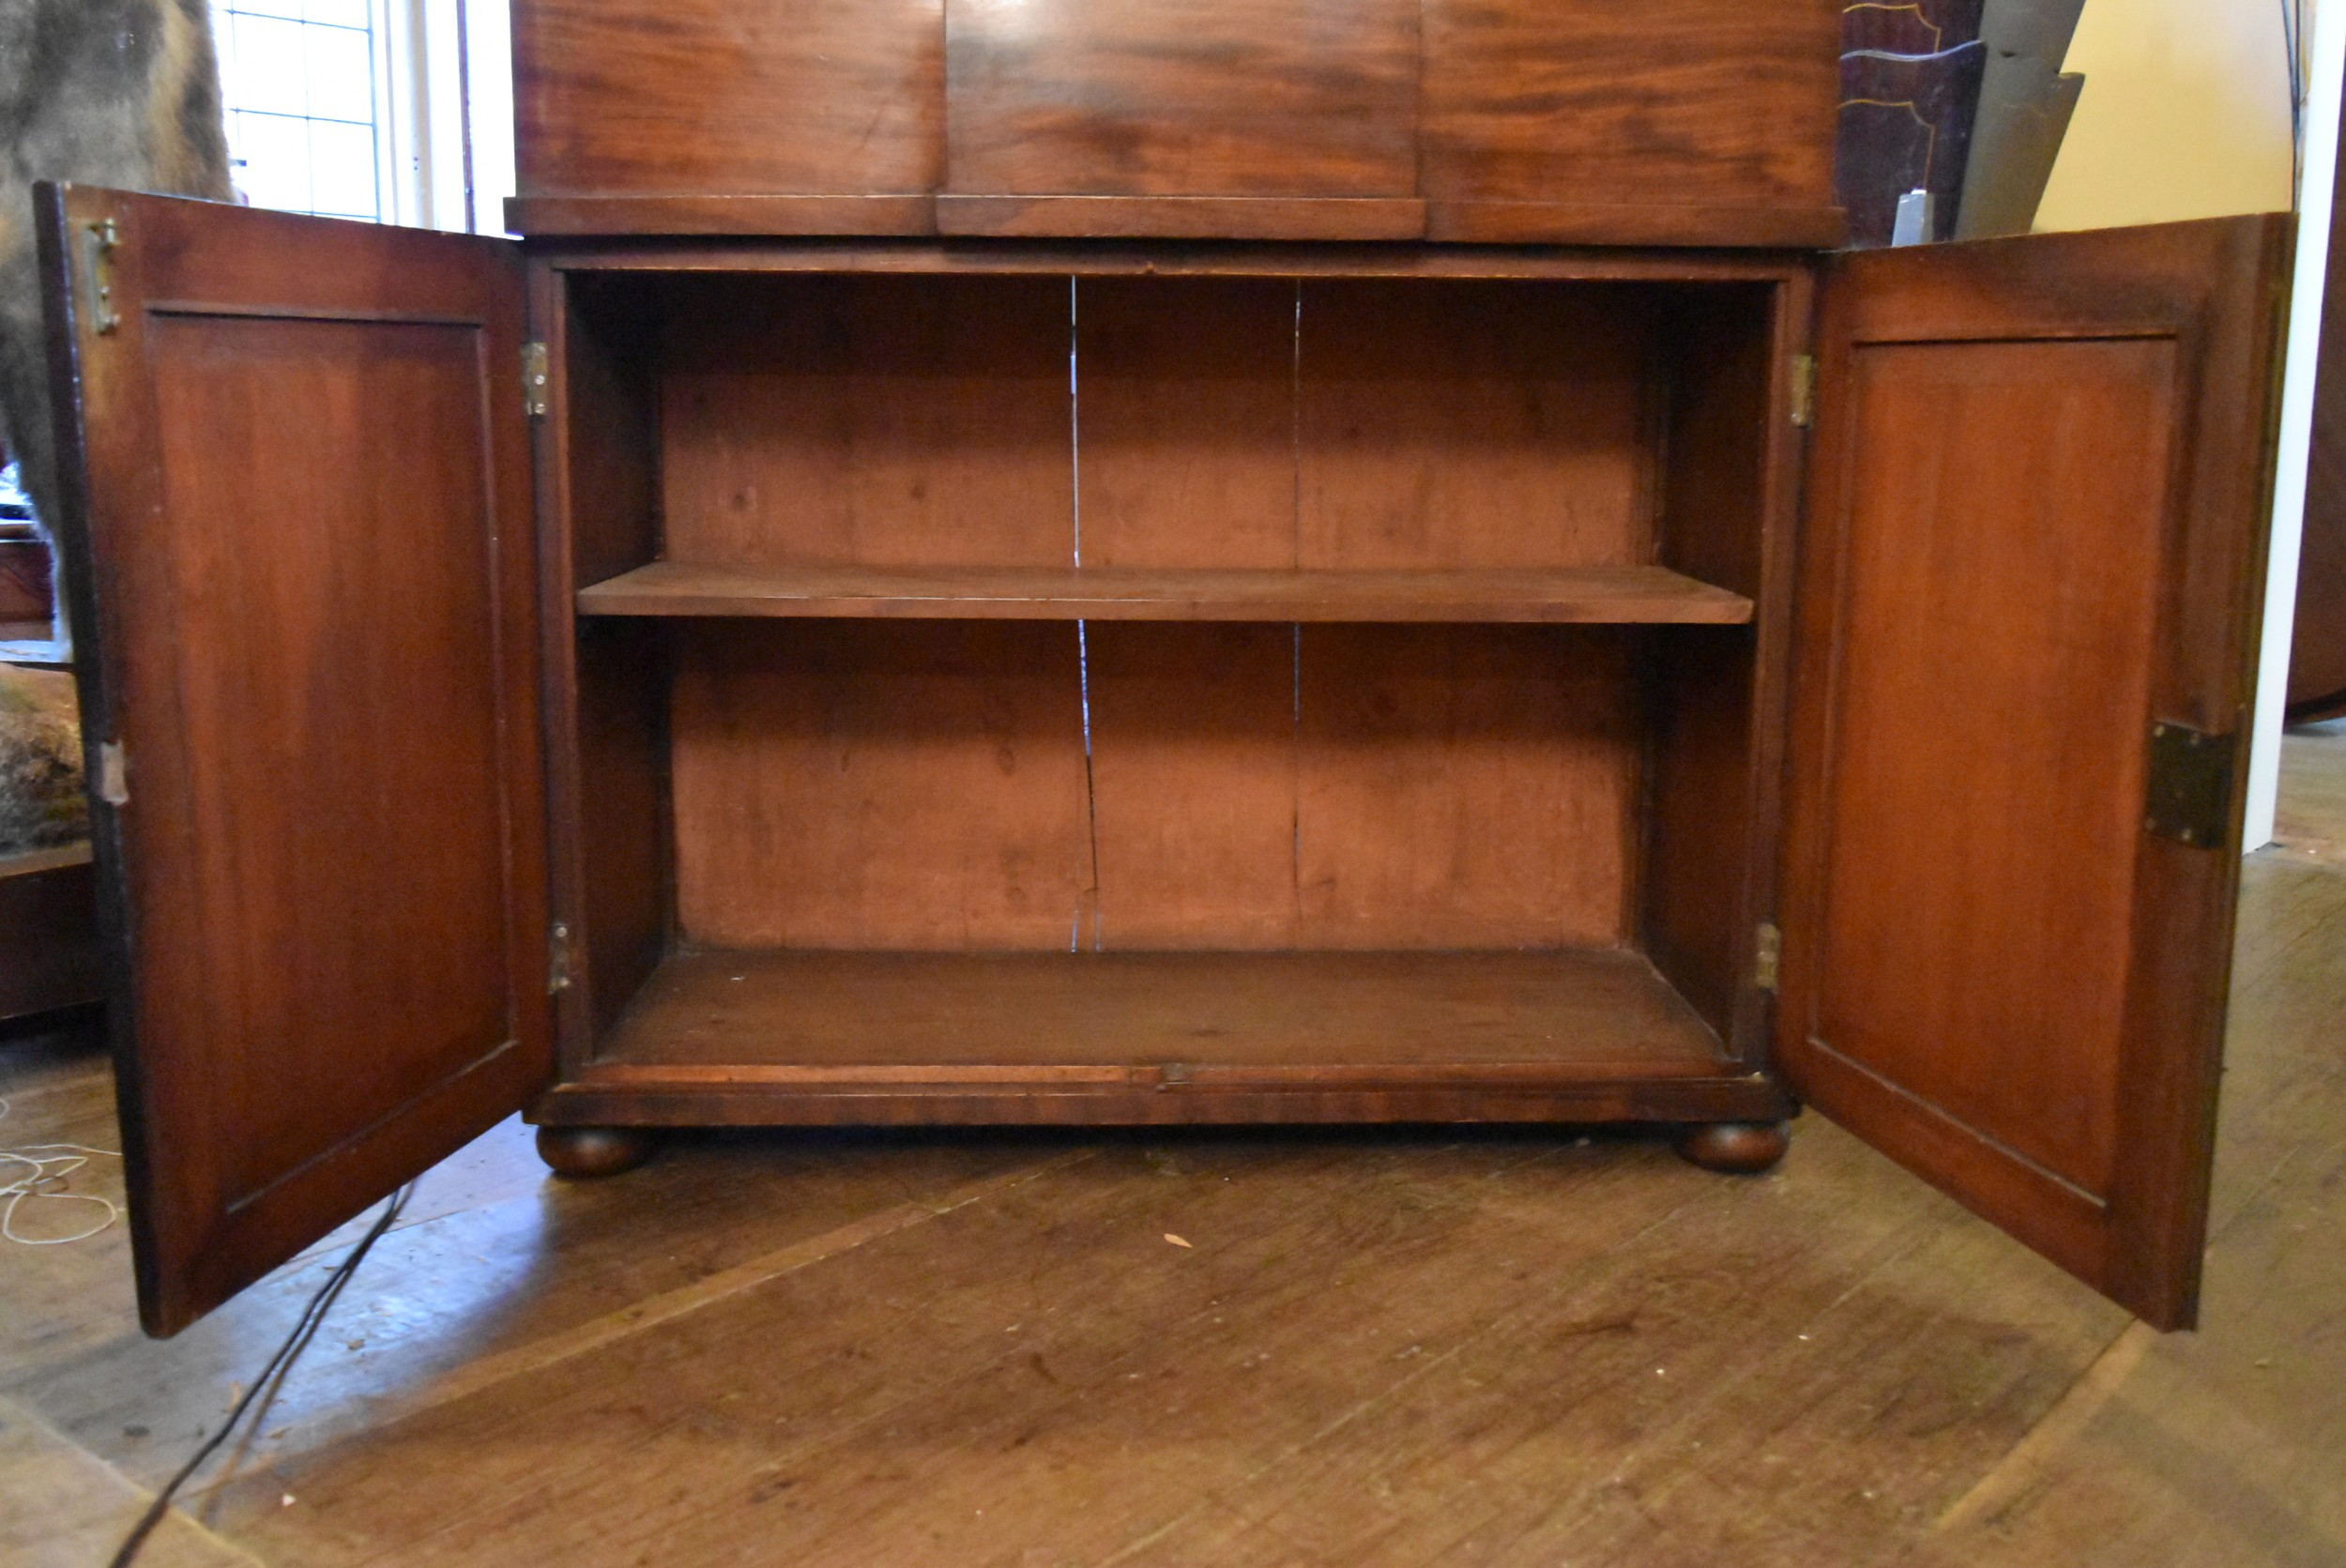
point(271, 1376)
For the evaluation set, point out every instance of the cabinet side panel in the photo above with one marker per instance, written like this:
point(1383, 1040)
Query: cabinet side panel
point(868, 420)
point(702, 98)
point(1182, 98)
point(871, 784)
point(1717, 490)
point(1722, 109)
point(606, 690)
point(624, 843)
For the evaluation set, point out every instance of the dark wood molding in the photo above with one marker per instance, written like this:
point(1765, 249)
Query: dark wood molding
point(1182, 217)
point(902, 214)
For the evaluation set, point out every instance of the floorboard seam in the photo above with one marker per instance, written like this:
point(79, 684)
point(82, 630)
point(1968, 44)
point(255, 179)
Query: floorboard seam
point(2084, 1399)
point(26, 1415)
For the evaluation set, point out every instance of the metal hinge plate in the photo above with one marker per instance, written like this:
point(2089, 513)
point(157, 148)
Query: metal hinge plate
point(102, 239)
point(558, 958)
point(536, 388)
point(1803, 390)
point(1768, 961)
point(2189, 796)
point(114, 774)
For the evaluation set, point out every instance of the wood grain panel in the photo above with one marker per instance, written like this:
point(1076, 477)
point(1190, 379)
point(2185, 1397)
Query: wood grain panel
point(884, 1016)
point(858, 786)
point(299, 511)
point(1464, 786)
point(1193, 779)
point(1185, 421)
point(882, 422)
point(1181, 98)
point(1475, 424)
point(307, 781)
point(2045, 557)
point(1725, 108)
point(713, 98)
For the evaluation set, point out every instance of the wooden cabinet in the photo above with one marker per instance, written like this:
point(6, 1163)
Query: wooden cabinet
point(1689, 122)
point(1021, 678)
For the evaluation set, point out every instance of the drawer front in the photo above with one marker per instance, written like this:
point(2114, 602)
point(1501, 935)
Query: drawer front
point(727, 115)
point(1671, 122)
point(1666, 122)
point(1183, 99)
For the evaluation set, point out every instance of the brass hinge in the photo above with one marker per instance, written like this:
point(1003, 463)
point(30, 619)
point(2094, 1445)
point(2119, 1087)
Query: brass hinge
point(535, 387)
point(558, 958)
point(2189, 793)
point(1803, 390)
point(1769, 961)
point(100, 238)
point(114, 774)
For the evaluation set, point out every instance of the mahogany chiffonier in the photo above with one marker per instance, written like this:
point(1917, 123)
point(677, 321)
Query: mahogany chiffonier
point(1148, 561)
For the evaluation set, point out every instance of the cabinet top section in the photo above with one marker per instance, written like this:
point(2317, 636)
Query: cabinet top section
point(1669, 122)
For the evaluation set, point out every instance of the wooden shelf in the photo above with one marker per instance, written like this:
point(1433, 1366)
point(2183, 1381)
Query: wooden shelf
point(1604, 594)
point(777, 1016)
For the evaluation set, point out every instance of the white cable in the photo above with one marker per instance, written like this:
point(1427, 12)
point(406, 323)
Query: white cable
point(43, 1183)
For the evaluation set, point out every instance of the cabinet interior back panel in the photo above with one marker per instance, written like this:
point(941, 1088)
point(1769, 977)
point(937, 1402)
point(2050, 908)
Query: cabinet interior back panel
point(927, 787)
point(1475, 424)
point(869, 420)
point(1372, 424)
point(876, 785)
point(1136, 785)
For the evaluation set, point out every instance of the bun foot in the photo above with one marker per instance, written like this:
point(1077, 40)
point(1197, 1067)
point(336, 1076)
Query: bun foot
point(1741, 1148)
point(583, 1151)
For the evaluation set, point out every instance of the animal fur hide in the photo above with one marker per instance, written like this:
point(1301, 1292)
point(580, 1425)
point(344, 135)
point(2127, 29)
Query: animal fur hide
point(106, 92)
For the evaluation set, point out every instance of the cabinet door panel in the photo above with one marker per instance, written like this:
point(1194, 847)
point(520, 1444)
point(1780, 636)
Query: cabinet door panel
point(2036, 531)
point(299, 515)
point(1235, 102)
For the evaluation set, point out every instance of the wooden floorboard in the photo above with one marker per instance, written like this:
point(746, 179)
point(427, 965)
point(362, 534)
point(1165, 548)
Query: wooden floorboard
point(1375, 1347)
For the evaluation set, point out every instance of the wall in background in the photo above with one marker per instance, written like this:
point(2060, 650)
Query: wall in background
point(2185, 115)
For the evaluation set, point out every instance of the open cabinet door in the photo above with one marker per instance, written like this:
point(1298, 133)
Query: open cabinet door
point(297, 493)
point(2030, 583)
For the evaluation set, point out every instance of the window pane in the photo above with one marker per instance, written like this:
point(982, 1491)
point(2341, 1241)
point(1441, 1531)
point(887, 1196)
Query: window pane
point(298, 80)
point(342, 169)
point(340, 75)
point(270, 66)
point(274, 151)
